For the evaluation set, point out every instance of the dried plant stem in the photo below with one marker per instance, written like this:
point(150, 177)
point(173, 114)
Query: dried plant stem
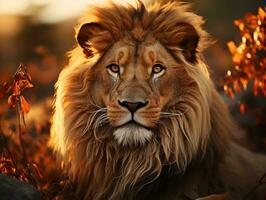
point(25, 162)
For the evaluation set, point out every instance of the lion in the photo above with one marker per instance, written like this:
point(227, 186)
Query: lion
point(137, 116)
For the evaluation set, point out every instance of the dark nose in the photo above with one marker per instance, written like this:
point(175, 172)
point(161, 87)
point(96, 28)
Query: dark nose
point(132, 106)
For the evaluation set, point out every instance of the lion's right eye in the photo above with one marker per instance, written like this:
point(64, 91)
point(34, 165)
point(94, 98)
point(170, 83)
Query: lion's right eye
point(158, 70)
point(113, 69)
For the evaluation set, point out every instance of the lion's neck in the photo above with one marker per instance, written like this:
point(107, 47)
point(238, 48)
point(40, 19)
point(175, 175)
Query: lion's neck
point(113, 170)
point(118, 176)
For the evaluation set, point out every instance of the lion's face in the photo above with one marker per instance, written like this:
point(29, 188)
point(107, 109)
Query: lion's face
point(136, 82)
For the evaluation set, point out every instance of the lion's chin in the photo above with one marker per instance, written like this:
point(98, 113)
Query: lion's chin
point(132, 135)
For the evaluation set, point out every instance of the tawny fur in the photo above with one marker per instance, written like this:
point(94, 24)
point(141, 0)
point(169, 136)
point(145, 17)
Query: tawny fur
point(203, 135)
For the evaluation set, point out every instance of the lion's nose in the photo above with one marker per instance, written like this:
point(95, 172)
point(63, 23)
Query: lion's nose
point(132, 106)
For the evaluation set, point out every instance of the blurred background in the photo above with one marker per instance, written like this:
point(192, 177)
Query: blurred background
point(38, 33)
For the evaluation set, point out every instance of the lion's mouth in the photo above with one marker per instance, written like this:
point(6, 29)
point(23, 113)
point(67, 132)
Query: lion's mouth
point(134, 123)
point(132, 133)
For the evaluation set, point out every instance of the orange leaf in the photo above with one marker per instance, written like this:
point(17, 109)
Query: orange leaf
point(242, 108)
point(261, 13)
point(25, 106)
point(22, 78)
point(16, 89)
point(25, 83)
point(232, 47)
point(236, 86)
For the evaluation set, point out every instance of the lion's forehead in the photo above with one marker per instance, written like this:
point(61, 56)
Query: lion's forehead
point(144, 54)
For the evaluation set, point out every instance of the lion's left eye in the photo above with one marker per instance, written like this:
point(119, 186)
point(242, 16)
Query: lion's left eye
point(158, 69)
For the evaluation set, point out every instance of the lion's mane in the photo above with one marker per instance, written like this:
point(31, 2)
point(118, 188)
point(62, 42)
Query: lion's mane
point(95, 161)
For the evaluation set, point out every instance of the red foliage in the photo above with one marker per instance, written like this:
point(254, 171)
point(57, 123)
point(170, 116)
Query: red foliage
point(25, 156)
point(249, 57)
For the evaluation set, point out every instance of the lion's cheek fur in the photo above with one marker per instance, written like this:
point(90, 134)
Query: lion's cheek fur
point(101, 88)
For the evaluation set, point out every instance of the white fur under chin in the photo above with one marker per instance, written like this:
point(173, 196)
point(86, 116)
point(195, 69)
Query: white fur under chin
point(132, 135)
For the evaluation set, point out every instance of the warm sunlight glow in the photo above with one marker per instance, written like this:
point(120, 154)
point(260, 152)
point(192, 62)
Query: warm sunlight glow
point(13, 7)
point(49, 11)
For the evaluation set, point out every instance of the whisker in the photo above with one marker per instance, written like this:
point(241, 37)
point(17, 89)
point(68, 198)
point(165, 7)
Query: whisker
point(99, 121)
point(94, 104)
point(172, 114)
point(99, 110)
point(93, 118)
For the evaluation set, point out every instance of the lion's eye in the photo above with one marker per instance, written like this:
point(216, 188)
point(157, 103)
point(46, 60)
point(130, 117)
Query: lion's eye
point(113, 68)
point(158, 69)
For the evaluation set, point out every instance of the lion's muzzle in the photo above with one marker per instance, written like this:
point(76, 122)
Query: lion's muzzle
point(133, 118)
point(132, 106)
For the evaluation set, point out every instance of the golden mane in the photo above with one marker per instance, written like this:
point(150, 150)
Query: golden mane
point(96, 162)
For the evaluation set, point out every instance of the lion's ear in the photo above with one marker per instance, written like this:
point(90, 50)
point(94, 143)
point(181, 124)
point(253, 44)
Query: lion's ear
point(93, 38)
point(187, 39)
point(184, 36)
